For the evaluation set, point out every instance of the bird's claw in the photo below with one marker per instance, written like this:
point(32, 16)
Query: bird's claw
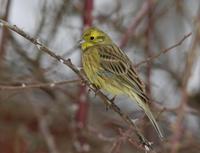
point(97, 91)
point(146, 144)
point(82, 83)
point(111, 100)
point(89, 90)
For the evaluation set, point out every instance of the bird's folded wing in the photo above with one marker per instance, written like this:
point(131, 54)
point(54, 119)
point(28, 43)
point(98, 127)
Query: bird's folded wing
point(116, 64)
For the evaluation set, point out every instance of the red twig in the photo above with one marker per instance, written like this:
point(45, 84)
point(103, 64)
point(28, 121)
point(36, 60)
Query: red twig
point(44, 129)
point(81, 115)
point(87, 16)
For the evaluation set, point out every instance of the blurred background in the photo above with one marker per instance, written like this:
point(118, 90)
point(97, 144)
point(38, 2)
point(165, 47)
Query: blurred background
point(67, 117)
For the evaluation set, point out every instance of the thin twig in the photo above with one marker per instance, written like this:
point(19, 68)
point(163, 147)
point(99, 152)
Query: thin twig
point(148, 52)
point(36, 85)
point(68, 62)
point(45, 131)
point(81, 115)
point(135, 22)
point(164, 50)
point(190, 61)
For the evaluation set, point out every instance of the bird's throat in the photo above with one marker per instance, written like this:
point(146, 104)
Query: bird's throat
point(86, 45)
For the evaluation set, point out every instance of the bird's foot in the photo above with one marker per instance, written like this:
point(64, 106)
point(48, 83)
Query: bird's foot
point(97, 89)
point(111, 100)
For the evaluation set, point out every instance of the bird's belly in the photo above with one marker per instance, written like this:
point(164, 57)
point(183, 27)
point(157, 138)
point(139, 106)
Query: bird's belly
point(91, 68)
point(115, 90)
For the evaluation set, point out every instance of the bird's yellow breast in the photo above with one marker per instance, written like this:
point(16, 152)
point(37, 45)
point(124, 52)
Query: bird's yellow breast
point(92, 69)
point(91, 66)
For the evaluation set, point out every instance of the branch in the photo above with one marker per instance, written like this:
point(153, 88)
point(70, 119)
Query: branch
point(164, 50)
point(186, 75)
point(68, 63)
point(44, 129)
point(81, 114)
point(37, 85)
point(135, 22)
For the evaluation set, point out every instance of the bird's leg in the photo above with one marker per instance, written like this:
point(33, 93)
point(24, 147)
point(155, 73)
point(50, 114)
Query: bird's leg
point(89, 90)
point(81, 70)
point(111, 100)
point(97, 89)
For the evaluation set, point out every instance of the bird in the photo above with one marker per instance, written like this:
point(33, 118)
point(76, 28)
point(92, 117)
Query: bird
point(107, 67)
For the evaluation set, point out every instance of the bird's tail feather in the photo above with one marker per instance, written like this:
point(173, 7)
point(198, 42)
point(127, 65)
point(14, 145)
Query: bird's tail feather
point(148, 112)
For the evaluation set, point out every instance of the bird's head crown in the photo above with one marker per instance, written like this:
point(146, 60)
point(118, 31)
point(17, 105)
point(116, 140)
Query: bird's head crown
point(94, 36)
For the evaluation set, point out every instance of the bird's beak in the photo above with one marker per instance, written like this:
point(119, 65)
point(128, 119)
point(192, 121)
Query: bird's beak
point(79, 42)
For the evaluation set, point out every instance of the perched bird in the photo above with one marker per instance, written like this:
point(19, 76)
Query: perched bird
point(109, 68)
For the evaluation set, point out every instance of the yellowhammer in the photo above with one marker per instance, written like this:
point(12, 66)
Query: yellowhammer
point(109, 68)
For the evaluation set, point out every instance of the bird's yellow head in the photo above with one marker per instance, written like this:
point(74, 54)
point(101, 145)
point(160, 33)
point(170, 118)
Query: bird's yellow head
point(93, 36)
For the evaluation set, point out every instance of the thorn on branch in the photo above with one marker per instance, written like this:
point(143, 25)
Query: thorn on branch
point(23, 85)
point(52, 85)
point(61, 61)
point(1, 24)
point(39, 46)
point(36, 85)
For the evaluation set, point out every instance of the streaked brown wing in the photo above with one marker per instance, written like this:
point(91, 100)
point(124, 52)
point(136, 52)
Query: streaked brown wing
point(112, 59)
point(117, 64)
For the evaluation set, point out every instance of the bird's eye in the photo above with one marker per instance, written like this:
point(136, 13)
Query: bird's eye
point(91, 38)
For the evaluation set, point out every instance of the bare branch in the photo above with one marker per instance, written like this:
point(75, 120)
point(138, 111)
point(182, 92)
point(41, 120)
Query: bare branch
point(164, 50)
point(45, 131)
point(37, 85)
point(135, 22)
point(68, 62)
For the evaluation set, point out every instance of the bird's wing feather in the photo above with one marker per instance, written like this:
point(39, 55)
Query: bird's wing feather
point(116, 63)
point(113, 61)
